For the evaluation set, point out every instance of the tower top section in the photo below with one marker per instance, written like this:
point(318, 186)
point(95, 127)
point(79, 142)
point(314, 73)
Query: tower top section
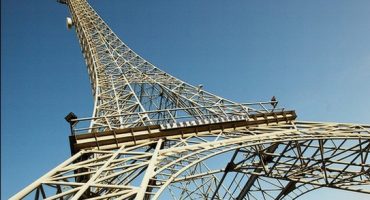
point(130, 91)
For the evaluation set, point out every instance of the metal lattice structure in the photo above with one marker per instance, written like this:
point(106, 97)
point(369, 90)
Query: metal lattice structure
point(153, 136)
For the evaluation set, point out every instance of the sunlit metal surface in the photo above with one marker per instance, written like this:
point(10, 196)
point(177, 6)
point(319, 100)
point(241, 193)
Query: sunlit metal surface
point(153, 136)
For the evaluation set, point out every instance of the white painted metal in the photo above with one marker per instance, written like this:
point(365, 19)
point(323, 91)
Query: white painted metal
point(180, 159)
point(276, 158)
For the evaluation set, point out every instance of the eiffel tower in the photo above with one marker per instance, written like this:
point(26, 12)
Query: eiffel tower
point(153, 136)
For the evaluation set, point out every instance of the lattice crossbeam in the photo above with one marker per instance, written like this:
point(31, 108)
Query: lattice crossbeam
point(154, 136)
point(285, 159)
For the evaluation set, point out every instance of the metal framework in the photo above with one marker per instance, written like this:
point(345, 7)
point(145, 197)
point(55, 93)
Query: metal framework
point(153, 136)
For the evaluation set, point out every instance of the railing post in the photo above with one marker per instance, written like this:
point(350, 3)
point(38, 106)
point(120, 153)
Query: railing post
point(71, 119)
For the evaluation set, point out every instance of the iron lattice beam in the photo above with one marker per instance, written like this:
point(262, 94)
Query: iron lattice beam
point(184, 167)
point(152, 135)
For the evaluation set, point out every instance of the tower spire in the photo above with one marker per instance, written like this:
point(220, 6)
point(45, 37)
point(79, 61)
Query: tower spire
point(129, 87)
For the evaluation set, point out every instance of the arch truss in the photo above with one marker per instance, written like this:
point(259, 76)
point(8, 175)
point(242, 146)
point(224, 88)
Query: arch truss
point(278, 161)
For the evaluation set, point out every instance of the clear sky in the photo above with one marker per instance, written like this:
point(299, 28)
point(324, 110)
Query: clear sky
point(314, 56)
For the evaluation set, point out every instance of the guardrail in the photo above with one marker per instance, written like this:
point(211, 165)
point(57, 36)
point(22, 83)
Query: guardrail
point(169, 116)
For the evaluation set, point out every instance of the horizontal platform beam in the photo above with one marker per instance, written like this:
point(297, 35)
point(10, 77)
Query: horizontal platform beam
point(113, 139)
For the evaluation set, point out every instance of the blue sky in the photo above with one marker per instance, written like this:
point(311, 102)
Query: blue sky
point(314, 56)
